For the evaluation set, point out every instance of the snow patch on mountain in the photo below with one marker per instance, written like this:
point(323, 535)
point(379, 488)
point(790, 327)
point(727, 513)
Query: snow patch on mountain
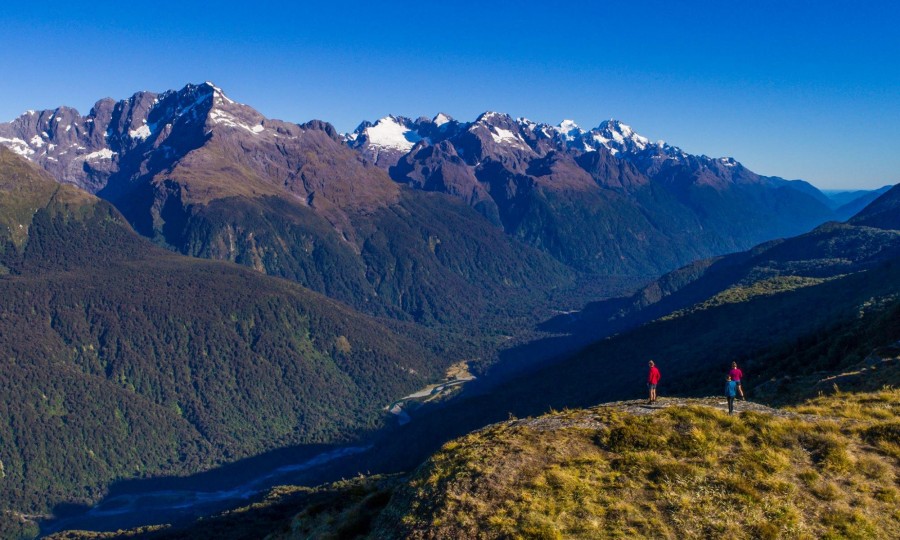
point(218, 94)
point(569, 130)
point(505, 136)
point(223, 118)
point(17, 145)
point(617, 138)
point(389, 133)
point(140, 133)
point(728, 161)
point(605, 142)
point(105, 153)
point(526, 123)
point(441, 119)
point(568, 125)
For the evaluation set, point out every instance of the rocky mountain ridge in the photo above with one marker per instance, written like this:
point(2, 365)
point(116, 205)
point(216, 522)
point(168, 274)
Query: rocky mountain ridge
point(206, 176)
point(622, 196)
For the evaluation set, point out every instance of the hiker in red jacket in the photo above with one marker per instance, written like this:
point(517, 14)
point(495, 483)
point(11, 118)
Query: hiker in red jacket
point(736, 376)
point(652, 380)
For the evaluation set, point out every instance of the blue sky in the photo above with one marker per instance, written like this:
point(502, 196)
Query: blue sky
point(797, 89)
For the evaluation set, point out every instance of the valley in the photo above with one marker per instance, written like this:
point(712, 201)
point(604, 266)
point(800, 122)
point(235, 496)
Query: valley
point(201, 303)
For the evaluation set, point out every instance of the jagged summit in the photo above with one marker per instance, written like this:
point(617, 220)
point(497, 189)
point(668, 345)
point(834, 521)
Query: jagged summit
point(569, 129)
point(489, 116)
point(618, 137)
point(383, 140)
point(440, 119)
point(513, 171)
point(394, 132)
point(155, 128)
point(386, 140)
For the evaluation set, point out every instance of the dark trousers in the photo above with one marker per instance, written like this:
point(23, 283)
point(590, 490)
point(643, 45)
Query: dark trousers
point(730, 404)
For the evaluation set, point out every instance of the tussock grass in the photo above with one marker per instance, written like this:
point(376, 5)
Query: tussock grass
point(830, 470)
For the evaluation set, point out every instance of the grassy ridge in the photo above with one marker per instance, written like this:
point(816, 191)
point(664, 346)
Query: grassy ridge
point(687, 471)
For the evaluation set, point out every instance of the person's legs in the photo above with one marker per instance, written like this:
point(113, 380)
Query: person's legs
point(730, 405)
point(740, 389)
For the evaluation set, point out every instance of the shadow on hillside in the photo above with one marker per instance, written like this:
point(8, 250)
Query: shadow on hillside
point(571, 332)
point(179, 500)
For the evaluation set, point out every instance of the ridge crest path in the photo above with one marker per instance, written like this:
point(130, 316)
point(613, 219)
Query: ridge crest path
point(585, 419)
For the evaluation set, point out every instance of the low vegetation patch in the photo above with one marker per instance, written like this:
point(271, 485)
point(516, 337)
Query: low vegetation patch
point(743, 293)
point(827, 469)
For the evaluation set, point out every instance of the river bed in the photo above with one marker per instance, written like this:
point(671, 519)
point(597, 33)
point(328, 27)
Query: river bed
point(161, 506)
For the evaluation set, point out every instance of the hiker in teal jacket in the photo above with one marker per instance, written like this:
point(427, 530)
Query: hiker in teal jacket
point(731, 390)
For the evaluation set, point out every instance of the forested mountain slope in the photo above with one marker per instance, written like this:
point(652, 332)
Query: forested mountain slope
point(124, 360)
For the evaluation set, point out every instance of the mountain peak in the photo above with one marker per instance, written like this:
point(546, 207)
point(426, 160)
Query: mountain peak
point(493, 117)
point(568, 125)
point(569, 130)
point(218, 94)
point(386, 140)
point(392, 132)
point(503, 130)
point(208, 103)
point(442, 119)
point(618, 137)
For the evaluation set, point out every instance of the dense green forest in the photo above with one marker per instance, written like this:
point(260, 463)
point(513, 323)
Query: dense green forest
point(124, 360)
point(427, 258)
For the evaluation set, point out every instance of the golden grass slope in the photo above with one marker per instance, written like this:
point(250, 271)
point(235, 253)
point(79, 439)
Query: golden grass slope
point(686, 470)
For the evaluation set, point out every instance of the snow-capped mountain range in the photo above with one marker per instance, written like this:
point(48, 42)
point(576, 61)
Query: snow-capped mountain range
point(604, 199)
point(86, 150)
point(388, 137)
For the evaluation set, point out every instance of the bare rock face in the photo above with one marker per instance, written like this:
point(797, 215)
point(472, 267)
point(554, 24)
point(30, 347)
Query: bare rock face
point(120, 144)
point(198, 145)
point(439, 168)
